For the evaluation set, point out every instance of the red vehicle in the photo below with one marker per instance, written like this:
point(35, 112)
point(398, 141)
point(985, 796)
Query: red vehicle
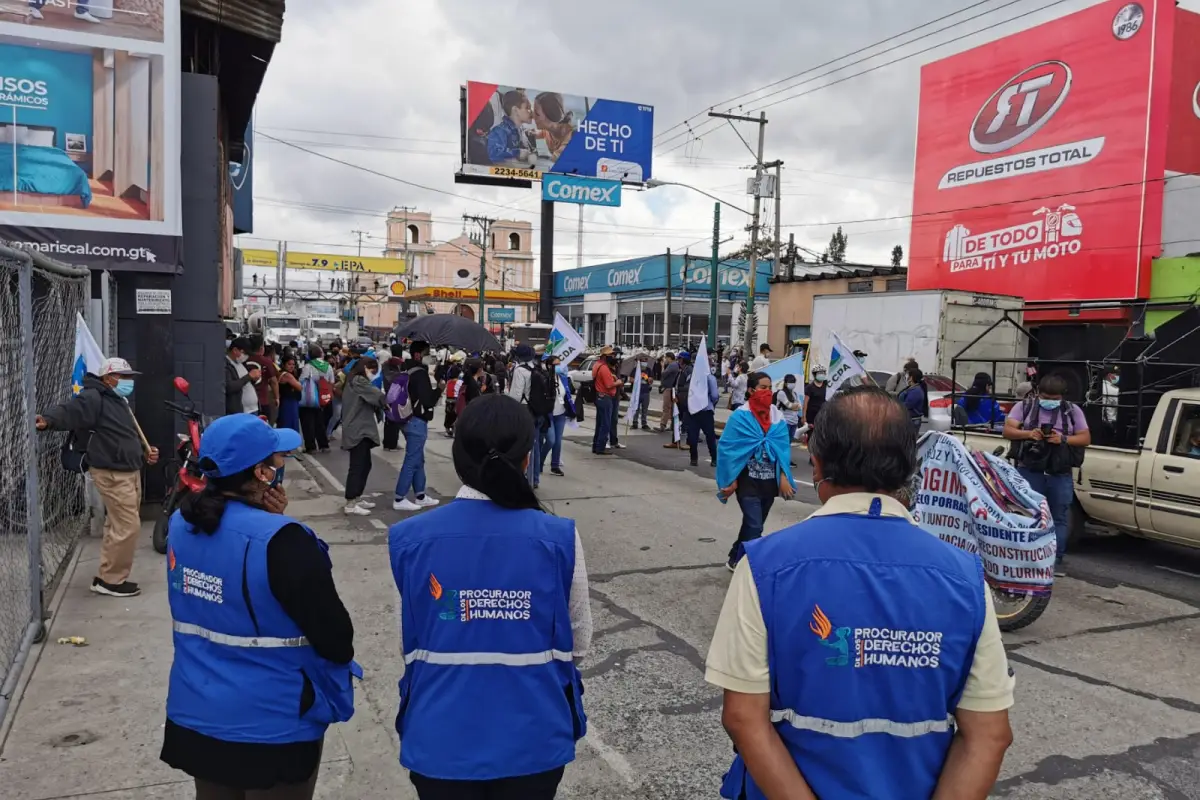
point(182, 472)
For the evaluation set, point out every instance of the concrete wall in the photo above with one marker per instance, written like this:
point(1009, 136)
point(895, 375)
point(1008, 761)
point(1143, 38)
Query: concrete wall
point(792, 303)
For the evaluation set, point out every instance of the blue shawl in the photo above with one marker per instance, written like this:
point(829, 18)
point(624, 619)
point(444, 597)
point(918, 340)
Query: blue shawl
point(743, 437)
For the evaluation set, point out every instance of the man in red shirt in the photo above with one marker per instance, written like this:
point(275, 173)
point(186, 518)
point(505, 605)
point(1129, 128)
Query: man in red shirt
point(268, 387)
point(607, 390)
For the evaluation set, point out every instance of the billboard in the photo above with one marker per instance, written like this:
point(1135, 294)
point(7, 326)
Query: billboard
point(1040, 159)
point(583, 191)
point(325, 261)
point(512, 132)
point(241, 184)
point(1183, 137)
point(89, 130)
point(642, 274)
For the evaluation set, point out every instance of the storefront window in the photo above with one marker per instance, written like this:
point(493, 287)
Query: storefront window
point(597, 323)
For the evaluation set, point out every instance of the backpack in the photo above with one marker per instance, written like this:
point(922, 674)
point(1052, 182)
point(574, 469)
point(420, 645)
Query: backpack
point(541, 394)
point(315, 392)
point(399, 406)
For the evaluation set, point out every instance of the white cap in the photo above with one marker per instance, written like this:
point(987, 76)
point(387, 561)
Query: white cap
point(117, 366)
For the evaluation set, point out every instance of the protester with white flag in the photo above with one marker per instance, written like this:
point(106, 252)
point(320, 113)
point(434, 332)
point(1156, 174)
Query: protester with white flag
point(634, 398)
point(564, 342)
point(88, 355)
point(701, 398)
point(845, 369)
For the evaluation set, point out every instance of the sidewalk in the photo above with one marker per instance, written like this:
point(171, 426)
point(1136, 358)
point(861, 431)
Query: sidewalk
point(87, 722)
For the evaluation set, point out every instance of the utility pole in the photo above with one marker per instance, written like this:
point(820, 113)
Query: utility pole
point(667, 318)
point(778, 223)
point(715, 279)
point(579, 240)
point(759, 166)
point(485, 226)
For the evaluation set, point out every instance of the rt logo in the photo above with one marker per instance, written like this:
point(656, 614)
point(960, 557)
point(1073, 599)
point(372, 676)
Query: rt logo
point(1019, 108)
point(1128, 21)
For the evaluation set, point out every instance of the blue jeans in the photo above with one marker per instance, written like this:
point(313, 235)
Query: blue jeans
point(552, 441)
point(335, 417)
point(412, 471)
point(1059, 491)
point(614, 422)
point(538, 454)
point(604, 421)
point(754, 518)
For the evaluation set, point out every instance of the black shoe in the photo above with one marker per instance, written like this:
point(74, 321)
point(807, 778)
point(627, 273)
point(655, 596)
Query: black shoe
point(125, 589)
point(557, 471)
point(645, 427)
point(712, 462)
point(694, 462)
point(535, 484)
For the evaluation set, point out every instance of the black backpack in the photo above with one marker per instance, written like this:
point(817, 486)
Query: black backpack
point(542, 393)
point(73, 454)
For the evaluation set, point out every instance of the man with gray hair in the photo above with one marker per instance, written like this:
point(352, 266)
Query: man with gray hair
point(885, 676)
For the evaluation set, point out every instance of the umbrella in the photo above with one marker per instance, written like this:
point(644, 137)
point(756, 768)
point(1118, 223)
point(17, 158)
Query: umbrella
point(629, 365)
point(448, 330)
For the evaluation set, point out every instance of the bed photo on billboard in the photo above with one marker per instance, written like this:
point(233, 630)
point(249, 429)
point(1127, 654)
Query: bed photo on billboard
point(45, 174)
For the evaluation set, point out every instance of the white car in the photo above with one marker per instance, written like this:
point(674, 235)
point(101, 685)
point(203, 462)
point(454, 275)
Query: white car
point(583, 374)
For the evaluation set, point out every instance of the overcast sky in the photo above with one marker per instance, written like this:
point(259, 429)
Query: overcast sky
point(376, 83)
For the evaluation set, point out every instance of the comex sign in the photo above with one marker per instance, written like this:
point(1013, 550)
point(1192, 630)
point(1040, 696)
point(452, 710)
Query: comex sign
point(584, 191)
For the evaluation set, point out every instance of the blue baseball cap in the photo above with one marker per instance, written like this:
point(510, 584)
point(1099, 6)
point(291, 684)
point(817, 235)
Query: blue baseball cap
point(684, 355)
point(239, 441)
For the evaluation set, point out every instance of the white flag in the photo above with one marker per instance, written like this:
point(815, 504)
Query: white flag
point(564, 342)
point(698, 399)
point(88, 355)
point(635, 397)
point(844, 368)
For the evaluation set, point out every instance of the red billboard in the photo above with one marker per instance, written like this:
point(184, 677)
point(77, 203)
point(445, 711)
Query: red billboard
point(1040, 158)
point(1183, 137)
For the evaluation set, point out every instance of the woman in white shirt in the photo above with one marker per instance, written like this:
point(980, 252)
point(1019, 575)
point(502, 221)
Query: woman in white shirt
point(790, 403)
point(564, 409)
point(737, 395)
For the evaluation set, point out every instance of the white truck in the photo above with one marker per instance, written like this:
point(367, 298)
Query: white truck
point(325, 330)
point(932, 326)
point(283, 326)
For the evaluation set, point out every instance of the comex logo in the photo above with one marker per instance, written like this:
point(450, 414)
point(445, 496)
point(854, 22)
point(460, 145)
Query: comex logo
point(1128, 21)
point(580, 193)
point(1021, 107)
point(576, 285)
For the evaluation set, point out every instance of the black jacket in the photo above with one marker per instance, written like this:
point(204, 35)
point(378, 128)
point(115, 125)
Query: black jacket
point(233, 388)
point(115, 444)
point(420, 389)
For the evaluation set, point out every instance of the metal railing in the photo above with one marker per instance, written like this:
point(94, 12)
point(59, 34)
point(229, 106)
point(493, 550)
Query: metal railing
point(43, 508)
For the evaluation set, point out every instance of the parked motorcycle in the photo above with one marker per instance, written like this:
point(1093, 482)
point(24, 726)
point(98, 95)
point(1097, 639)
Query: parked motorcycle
point(183, 472)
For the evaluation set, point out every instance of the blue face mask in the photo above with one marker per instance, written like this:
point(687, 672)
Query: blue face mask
point(124, 387)
point(278, 479)
point(561, 369)
point(1049, 405)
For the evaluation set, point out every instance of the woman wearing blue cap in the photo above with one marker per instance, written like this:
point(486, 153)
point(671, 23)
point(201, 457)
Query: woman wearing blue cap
point(263, 645)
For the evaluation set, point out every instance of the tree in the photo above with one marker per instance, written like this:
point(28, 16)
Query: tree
point(897, 255)
point(836, 251)
point(766, 250)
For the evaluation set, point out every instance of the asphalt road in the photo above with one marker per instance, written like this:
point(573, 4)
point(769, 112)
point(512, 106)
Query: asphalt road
point(1108, 703)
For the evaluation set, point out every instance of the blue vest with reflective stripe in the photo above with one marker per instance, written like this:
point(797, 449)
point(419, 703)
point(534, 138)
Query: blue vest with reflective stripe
point(242, 670)
point(489, 688)
point(872, 624)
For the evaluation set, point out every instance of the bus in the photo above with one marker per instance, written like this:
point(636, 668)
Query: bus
point(530, 333)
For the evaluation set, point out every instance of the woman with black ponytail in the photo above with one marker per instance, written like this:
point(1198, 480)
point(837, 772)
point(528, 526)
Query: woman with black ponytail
point(492, 709)
point(263, 645)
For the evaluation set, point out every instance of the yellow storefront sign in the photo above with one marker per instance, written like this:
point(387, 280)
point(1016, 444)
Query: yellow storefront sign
point(471, 295)
point(326, 261)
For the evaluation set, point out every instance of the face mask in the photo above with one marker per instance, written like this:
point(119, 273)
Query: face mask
point(1049, 405)
point(242, 358)
point(789, 384)
point(429, 361)
point(124, 387)
point(276, 479)
point(819, 377)
point(371, 374)
point(561, 369)
point(1113, 381)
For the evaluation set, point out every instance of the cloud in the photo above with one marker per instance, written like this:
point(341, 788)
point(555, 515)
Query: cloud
point(376, 83)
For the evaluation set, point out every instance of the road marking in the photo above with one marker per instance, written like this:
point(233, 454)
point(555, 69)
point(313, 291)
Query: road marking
point(611, 757)
point(378, 523)
point(337, 485)
point(1177, 571)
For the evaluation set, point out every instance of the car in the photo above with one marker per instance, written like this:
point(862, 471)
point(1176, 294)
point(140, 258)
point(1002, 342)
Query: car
point(581, 375)
point(940, 386)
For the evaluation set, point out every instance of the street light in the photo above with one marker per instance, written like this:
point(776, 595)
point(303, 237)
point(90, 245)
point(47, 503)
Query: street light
point(714, 272)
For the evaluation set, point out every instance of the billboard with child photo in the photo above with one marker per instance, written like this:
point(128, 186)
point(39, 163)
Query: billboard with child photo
point(521, 133)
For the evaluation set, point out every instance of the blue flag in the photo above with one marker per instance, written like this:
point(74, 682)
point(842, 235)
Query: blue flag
point(88, 356)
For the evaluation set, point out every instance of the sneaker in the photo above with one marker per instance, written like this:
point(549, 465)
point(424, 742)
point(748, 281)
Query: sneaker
point(646, 427)
point(365, 503)
point(405, 505)
point(731, 564)
point(619, 447)
point(712, 462)
point(557, 471)
point(84, 14)
point(693, 462)
point(355, 510)
point(35, 14)
point(671, 446)
point(425, 501)
point(124, 589)
point(449, 434)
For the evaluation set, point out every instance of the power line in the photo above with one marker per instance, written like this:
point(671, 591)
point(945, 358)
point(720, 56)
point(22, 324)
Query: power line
point(359, 135)
point(878, 66)
point(818, 66)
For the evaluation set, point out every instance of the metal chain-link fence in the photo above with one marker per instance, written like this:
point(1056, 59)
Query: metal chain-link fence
point(39, 300)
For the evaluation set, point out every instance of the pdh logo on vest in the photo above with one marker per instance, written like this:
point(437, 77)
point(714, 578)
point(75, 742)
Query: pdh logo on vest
point(193, 582)
point(883, 647)
point(468, 605)
point(1014, 113)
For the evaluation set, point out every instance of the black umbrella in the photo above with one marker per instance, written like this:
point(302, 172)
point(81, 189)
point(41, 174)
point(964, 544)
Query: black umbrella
point(448, 330)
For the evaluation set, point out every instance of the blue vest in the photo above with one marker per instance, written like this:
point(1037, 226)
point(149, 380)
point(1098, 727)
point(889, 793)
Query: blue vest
point(490, 689)
point(864, 680)
point(242, 665)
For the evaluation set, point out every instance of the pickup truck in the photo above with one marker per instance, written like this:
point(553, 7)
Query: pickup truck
point(1152, 493)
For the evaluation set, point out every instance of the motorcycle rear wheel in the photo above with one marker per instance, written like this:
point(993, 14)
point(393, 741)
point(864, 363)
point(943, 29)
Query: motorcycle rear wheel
point(1015, 611)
